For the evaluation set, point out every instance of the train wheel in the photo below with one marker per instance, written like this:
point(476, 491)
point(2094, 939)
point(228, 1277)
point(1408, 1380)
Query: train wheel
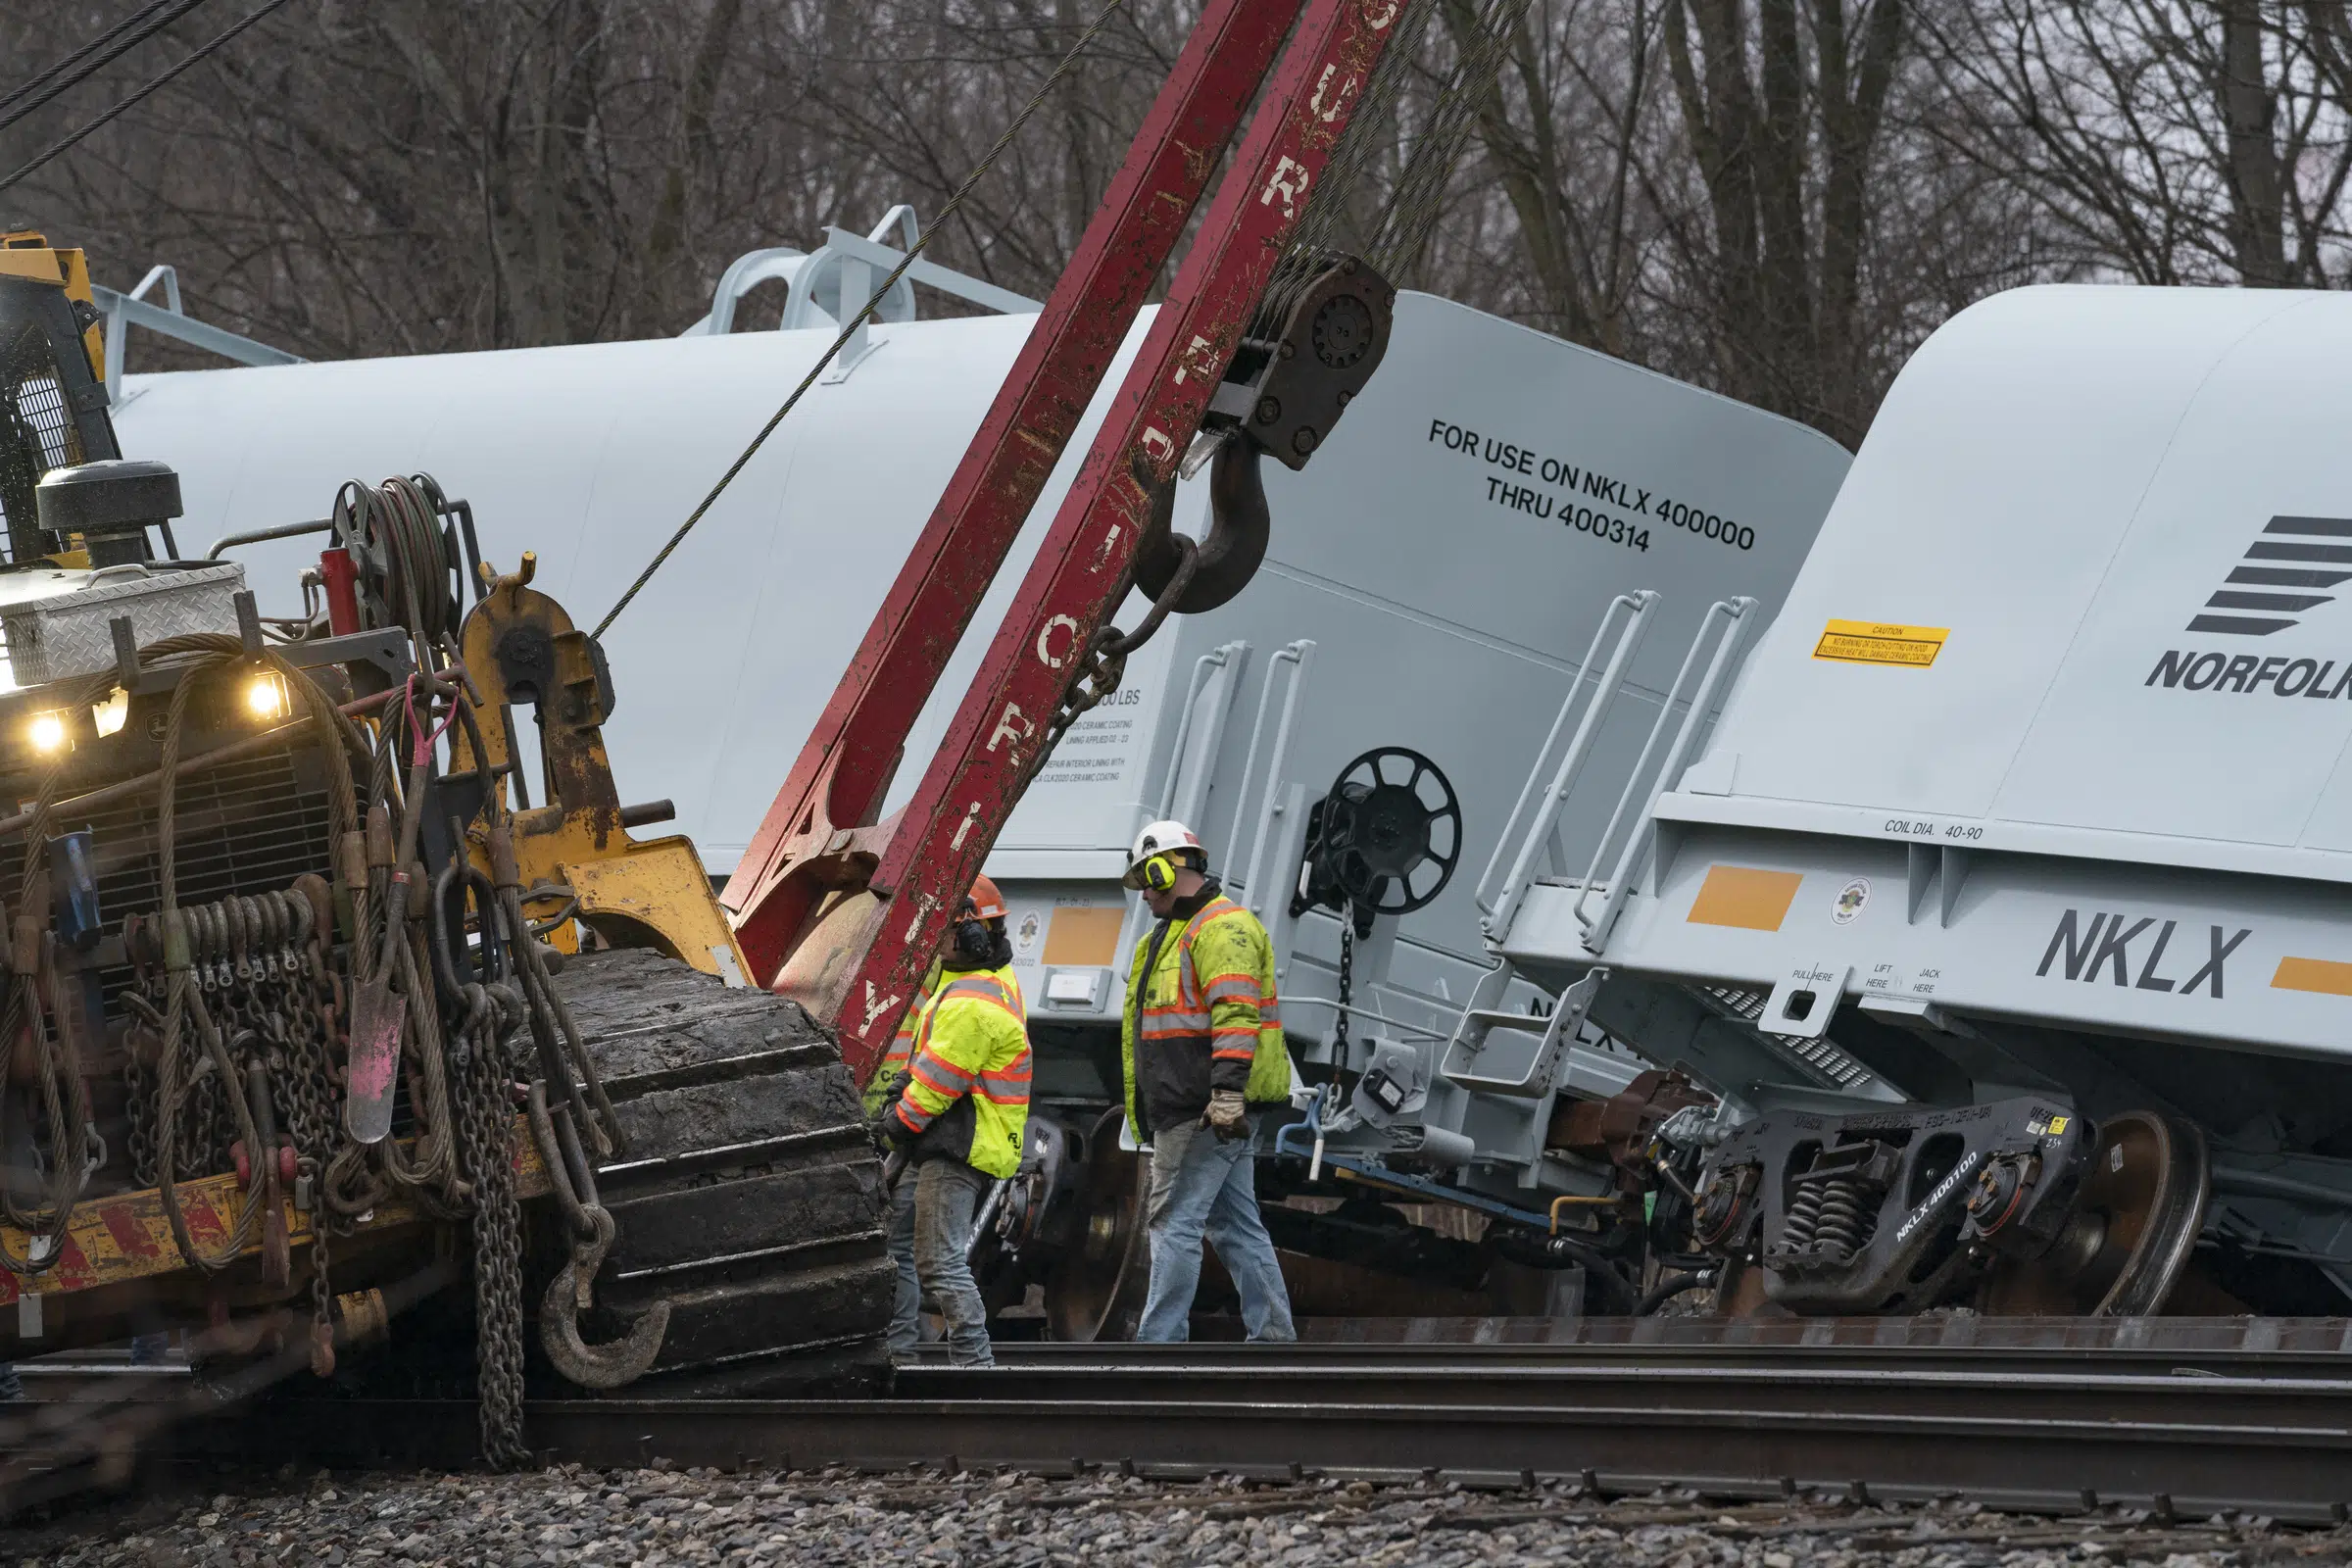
point(2135, 1225)
point(1096, 1291)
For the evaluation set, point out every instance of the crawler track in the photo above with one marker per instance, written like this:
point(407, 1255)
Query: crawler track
point(750, 1196)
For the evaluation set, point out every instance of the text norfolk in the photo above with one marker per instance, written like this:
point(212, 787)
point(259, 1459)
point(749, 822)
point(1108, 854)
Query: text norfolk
point(2250, 672)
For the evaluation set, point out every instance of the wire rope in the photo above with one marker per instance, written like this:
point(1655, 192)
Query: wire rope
point(108, 47)
point(849, 328)
point(68, 141)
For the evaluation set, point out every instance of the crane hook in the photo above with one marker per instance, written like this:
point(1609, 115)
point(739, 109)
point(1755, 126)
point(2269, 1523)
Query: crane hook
point(1239, 527)
point(611, 1365)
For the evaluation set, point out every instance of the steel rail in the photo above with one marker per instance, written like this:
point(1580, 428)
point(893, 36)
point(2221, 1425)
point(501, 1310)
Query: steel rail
point(2056, 1440)
point(2325, 1357)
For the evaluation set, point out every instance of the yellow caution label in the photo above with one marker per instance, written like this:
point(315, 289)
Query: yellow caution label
point(2057, 1125)
point(1875, 642)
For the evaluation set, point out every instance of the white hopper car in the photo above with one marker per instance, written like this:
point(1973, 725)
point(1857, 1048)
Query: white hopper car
point(1436, 575)
point(2011, 905)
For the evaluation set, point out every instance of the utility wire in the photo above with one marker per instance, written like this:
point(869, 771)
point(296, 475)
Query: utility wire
point(67, 140)
point(70, 71)
point(42, 79)
point(849, 328)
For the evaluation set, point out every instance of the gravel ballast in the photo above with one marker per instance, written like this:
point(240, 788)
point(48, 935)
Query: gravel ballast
point(621, 1518)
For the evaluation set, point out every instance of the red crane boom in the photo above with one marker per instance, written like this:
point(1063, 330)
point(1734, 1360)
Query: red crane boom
point(844, 915)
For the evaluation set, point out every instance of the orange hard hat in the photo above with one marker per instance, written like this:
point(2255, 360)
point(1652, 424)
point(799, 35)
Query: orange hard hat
point(987, 902)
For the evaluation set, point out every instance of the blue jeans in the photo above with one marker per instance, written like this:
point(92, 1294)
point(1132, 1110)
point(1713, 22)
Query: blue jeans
point(946, 1199)
point(1203, 1187)
point(907, 1310)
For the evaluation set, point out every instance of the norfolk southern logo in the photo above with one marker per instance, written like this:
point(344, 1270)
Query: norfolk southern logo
point(2283, 575)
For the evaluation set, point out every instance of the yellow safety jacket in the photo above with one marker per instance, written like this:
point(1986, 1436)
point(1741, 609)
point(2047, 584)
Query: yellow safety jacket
point(878, 1088)
point(1204, 1017)
point(967, 1085)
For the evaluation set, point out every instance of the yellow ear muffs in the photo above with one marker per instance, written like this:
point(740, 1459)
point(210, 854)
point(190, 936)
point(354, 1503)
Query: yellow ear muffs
point(1159, 872)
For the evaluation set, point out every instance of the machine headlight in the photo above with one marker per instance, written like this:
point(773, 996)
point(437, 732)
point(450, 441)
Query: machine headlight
point(266, 698)
point(48, 733)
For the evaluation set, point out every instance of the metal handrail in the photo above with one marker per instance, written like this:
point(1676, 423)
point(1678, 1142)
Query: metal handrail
point(1496, 909)
point(123, 312)
point(802, 271)
point(1734, 614)
point(1288, 654)
point(1217, 659)
point(1302, 652)
point(255, 536)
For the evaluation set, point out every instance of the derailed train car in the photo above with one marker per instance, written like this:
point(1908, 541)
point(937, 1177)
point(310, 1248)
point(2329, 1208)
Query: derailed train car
point(1492, 499)
point(2007, 906)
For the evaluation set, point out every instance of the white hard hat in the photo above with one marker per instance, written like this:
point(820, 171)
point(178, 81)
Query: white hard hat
point(1161, 838)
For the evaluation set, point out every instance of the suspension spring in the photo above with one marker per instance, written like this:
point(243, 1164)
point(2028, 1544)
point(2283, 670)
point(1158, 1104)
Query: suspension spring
point(1842, 1227)
point(1804, 1215)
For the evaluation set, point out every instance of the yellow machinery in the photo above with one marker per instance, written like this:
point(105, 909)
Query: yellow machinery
point(316, 1018)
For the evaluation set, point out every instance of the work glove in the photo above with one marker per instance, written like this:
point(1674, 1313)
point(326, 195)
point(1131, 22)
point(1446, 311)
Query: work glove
point(1228, 1115)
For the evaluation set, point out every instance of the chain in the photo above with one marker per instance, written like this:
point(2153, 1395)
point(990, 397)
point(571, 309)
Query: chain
point(487, 1128)
point(1338, 1027)
point(138, 1110)
point(1106, 663)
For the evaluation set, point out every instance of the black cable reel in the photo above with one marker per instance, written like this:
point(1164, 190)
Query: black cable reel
point(1384, 841)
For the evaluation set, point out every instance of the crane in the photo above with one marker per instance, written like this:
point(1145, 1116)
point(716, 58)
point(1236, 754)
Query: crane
point(842, 911)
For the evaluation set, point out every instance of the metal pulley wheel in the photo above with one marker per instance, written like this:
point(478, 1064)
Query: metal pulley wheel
point(1238, 526)
point(2135, 1225)
point(1386, 839)
point(1096, 1290)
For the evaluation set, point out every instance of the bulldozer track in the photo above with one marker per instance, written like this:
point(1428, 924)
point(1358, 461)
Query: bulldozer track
point(749, 1196)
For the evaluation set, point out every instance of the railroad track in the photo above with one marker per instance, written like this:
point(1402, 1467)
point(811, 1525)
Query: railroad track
point(2182, 1433)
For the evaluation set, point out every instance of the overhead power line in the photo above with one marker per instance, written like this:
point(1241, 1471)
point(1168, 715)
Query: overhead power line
point(66, 141)
point(41, 79)
point(93, 57)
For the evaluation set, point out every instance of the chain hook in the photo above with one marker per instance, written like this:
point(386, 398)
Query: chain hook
point(613, 1366)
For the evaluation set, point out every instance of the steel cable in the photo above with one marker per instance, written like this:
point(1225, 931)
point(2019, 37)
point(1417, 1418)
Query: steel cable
point(42, 77)
point(849, 328)
point(184, 1003)
point(1392, 240)
point(68, 141)
point(71, 73)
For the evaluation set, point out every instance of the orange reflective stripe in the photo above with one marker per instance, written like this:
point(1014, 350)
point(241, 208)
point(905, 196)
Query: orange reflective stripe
point(912, 1116)
point(1230, 1054)
point(1187, 984)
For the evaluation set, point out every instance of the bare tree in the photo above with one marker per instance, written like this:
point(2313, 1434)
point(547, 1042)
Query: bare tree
point(1775, 198)
point(2163, 141)
point(1562, 120)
